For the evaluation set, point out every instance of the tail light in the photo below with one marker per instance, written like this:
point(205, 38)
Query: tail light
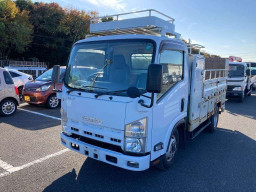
point(16, 90)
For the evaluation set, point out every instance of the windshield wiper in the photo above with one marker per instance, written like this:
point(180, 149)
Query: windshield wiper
point(84, 90)
point(110, 92)
point(130, 92)
point(98, 74)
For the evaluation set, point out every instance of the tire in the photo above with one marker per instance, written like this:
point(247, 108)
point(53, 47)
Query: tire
point(8, 107)
point(214, 119)
point(52, 102)
point(171, 153)
point(20, 89)
point(241, 98)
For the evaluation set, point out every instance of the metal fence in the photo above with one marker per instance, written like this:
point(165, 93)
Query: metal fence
point(30, 67)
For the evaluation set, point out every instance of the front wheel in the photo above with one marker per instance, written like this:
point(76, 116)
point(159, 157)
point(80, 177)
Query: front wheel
point(8, 107)
point(171, 152)
point(214, 119)
point(52, 102)
point(241, 98)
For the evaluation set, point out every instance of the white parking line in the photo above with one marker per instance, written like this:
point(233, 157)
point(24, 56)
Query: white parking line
point(5, 165)
point(10, 169)
point(52, 117)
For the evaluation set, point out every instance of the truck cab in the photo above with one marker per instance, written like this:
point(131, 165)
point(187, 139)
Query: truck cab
point(240, 82)
point(133, 93)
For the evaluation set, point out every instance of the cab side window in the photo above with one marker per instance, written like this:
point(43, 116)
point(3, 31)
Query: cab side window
point(173, 67)
point(8, 78)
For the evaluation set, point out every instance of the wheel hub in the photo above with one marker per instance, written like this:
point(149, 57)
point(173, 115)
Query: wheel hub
point(8, 108)
point(54, 102)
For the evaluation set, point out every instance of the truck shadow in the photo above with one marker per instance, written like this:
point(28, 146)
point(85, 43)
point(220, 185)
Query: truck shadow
point(223, 161)
point(247, 108)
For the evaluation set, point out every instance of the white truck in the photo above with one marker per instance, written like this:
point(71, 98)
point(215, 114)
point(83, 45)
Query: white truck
point(133, 94)
point(252, 67)
point(241, 79)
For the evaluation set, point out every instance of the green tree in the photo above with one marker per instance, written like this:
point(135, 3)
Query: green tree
point(16, 31)
point(55, 31)
point(24, 5)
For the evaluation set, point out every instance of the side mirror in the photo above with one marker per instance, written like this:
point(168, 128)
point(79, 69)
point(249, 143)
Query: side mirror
point(56, 74)
point(155, 78)
point(154, 82)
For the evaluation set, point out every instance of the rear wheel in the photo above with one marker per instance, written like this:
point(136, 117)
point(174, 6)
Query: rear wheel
point(52, 102)
point(214, 119)
point(8, 107)
point(171, 152)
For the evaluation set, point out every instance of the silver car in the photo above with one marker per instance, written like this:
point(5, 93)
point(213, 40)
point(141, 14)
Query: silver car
point(9, 95)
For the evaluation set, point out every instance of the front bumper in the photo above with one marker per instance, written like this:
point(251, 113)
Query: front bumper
point(234, 93)
point(38, 98)
point(104, 155)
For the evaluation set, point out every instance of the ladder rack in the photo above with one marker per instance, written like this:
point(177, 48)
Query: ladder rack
point(150, 11)
point(194, 46)
point(145, 25)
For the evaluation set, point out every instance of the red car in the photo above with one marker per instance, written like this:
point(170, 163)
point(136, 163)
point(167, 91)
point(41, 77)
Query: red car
point(40, 91)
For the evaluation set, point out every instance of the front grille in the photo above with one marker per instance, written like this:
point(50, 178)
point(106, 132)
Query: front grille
point(97, 143)
point(116, 140)
point(230, 87)
point(33, 99)
point(74, 129)
point(100, 136)
point(87, 133)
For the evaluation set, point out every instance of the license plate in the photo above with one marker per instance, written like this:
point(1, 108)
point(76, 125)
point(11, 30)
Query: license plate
point(26, 98)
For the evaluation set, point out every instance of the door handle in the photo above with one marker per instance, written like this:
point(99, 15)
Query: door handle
point(182, 104)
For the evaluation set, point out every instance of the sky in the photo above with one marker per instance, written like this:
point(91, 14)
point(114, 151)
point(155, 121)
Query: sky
point(224, 27)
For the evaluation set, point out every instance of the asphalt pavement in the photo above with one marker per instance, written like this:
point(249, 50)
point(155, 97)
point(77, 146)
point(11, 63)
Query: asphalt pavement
point(32, 158)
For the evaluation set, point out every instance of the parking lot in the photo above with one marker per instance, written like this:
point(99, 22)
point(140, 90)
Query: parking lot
point(33, 159)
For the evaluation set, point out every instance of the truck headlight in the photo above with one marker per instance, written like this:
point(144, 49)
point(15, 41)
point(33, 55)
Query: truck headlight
point(237, 89)
point(135, 136)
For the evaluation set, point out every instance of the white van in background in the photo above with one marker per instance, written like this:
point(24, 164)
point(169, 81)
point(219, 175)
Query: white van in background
point(20, 79)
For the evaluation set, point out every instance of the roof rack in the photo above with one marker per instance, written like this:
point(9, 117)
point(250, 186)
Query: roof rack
point(194, 46)
point(147, 25)
point(96, 19)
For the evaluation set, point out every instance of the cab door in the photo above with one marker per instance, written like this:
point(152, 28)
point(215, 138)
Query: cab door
point(171, 104)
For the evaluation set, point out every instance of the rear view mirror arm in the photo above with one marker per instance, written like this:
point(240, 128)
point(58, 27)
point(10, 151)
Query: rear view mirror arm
point(141, 102)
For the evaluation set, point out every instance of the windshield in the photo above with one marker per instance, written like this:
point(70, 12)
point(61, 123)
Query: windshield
point(47, 76)
point(106, 66)
point(236, 71)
